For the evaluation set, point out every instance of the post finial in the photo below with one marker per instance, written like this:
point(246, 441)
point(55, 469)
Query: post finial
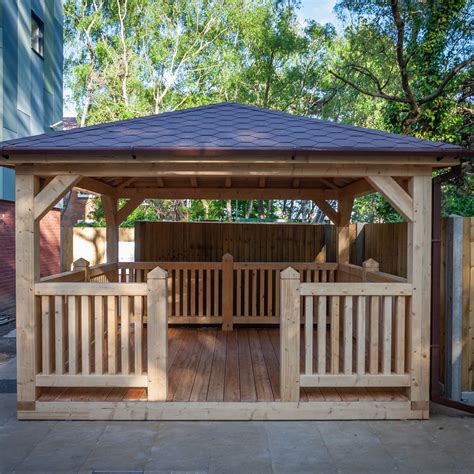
point(80, 263)
point(289, 273)
point(157, 274)
point(371, 265)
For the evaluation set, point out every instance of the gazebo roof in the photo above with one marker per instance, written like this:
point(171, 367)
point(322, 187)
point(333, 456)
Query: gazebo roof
point(227, 128)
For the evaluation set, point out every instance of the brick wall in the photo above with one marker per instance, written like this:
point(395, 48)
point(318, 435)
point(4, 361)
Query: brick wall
point(49, 249)
point(77, 209)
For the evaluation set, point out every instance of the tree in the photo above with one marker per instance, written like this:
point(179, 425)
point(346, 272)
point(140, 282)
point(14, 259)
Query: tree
point(414, 56)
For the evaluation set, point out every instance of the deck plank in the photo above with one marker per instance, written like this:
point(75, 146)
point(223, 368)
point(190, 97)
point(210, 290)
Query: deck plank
point(247, 381)
point(188, 372)
point(271, 361)
point(232, 378)
point(203, 374)
point(263, 386)
point(217, 380)
point(181, 361)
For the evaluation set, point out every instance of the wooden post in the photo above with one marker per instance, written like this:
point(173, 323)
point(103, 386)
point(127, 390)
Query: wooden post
point(454, 307)
point(419, 274)
point(27, 273)
point(82, 264)
point(343, 239)
point(112, 229)
point(290, 335)
point(157, 335)
point(227, 292)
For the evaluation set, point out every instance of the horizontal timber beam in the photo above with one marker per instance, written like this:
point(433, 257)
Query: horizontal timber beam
point(248, 158)
point(66, 380)
point(367, 380)
point(206, 169)
point(227, 193)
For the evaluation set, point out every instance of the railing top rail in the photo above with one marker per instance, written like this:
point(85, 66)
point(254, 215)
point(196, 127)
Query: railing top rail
point(356, 289)
point(166, 265)
point(88, 289)
point(71, 276)
point(283, 265)
point(370, 275)
point(102, 268)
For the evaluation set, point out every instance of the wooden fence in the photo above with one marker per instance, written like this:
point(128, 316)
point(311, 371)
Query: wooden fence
point(209, 241)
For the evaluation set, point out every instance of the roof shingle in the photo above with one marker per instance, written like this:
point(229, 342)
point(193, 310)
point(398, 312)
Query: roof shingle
point(226, 126)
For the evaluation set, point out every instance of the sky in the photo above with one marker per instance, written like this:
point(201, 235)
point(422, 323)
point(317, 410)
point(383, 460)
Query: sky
point(319, 10)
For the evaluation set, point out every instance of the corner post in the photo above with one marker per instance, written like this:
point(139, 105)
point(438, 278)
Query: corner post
point(157, 335)
point(227, 292)
point(82, 264)
point(27, 273)
point(290, 335)
point(419, 274)
point(343, 234)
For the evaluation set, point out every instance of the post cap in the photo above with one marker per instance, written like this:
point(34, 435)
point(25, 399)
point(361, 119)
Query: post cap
point(289, 274)
point(227, 256)
point(158, 274)
point(371, 264)
point(80, 262)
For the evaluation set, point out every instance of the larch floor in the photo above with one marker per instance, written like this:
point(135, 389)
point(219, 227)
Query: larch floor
point(207, 364)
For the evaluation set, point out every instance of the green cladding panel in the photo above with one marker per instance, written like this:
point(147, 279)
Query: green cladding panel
point(31, 86)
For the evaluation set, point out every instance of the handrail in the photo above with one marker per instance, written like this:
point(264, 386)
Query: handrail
point(87, 289)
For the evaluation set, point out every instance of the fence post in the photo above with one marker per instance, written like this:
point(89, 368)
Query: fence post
point(454, 307)
point(227, 292)
point(157, 335)
point(82, 264)
point(290, 335)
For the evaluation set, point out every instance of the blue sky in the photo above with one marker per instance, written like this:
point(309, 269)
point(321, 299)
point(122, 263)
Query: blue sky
point(319, 10)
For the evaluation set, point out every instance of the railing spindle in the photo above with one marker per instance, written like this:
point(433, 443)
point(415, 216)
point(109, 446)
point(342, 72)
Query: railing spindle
point(387, 335)
point(85, 334)
point(361, 333)
point(348, 335)
point(308, 330)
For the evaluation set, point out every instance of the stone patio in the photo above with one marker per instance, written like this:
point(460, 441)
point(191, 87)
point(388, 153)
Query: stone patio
point(443, 444)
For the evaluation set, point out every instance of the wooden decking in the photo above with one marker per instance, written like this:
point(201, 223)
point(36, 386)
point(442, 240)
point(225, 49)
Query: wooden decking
point(209, 365)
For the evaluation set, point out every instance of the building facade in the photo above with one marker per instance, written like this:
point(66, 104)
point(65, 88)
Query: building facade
point(31, 73)
point(31, 102)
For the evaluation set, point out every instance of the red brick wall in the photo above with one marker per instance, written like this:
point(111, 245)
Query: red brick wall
point(77, 209)
point(49, 249)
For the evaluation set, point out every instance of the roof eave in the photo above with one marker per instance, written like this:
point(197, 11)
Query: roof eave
point(439, 154)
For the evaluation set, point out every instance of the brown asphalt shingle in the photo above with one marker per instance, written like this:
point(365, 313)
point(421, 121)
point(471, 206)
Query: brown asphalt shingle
point(225, 127)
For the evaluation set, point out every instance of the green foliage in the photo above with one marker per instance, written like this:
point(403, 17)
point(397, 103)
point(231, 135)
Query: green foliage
point(128, 58)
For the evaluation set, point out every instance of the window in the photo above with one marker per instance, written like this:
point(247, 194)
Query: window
point(37, 34)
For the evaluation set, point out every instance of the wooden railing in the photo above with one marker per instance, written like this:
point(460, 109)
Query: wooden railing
point(256, 288)
point(92, 335)
point(361, 338)
point(251, 290)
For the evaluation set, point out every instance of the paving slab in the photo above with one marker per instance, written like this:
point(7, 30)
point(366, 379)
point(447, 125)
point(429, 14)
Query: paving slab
point(8, 369)
point(442, 444)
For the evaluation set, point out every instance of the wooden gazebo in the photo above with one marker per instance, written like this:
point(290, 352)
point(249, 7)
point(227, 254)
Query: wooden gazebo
point(94, 342)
